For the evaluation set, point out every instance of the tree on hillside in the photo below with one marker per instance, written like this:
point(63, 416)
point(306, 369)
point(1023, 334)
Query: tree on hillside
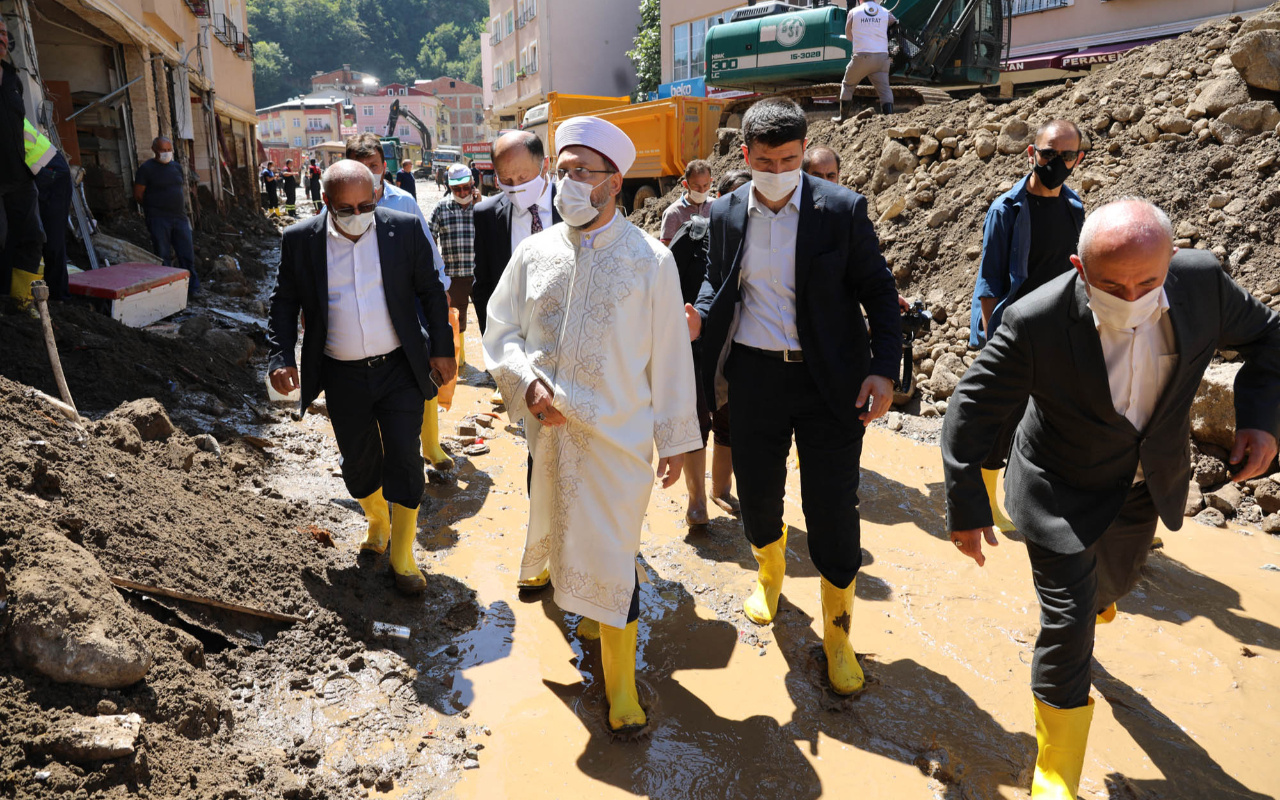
point(271, 70)
point(647, 53)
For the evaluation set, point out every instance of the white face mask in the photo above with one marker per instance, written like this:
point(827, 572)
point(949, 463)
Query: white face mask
point(377, 183)
point(165, 157)
point(1116, 312)
point(463, 201)
point(573, 201)
point(775, 186)
point(698, 198)
point(354, 225)
point(526, 194)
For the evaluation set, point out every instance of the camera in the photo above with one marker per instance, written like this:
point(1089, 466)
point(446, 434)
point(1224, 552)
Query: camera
point(916, 321)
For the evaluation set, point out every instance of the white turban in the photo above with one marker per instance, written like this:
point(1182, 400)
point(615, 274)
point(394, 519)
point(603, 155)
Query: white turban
point(604, 137)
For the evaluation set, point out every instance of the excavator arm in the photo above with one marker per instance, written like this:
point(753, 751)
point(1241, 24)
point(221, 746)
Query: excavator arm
point(412, 118)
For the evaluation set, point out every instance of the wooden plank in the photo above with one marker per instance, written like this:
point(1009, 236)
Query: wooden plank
point(125, 583)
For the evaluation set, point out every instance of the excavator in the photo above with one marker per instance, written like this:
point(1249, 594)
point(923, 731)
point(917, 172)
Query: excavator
point(776, 48)
point(391, 149)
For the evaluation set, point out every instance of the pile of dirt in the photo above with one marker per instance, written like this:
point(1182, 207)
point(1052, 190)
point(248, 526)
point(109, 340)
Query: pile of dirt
point(134, 498)
point(210, 370)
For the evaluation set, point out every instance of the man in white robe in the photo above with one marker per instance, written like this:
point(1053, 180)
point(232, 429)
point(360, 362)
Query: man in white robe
point(587, 340)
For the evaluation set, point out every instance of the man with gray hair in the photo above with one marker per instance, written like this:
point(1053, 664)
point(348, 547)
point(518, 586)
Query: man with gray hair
point(160, 189)
point(1108, 359)
point(358, 272)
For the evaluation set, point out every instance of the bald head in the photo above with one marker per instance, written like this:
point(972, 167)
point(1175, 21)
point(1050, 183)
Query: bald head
point(518, 157)
point(347, 184)
point(1125, 248)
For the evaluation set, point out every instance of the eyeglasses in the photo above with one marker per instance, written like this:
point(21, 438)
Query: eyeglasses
point(582, 174)
point(1049, 154)
point(344, 213)
point(464, 188)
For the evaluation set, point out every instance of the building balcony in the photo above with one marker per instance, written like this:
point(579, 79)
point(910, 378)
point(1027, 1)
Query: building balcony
point(1017, 7)
point(244, 47)
point(224, 30)
point(198, 7)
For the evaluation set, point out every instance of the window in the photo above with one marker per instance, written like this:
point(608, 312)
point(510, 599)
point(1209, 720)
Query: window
point(511, 71)
point(317, 124)
point(297, 123)
point(368, 129)
point(680, 52)
point(509, 23)
point(404, 131)
point(533, 60)
point(297, 141)
point(697, 39)
point(497, 77)
point(366, 111)
point(1031, 6)
point(524, 60)
point(312, 141)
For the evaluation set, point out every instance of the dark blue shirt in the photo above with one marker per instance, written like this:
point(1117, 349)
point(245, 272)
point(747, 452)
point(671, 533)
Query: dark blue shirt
point(165, 185)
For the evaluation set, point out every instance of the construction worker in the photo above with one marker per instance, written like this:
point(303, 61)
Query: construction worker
point(1028, 240)
point(270, 184)
point(289, 180)
point(53, 181)
point(867, 29)
point(160, 189)
point(313, 185)
point(367, 149)
point(20, 237)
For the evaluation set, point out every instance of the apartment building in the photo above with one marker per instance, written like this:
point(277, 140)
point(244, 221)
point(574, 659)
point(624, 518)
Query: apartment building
point(373, 110)
point(345, 80)
point(131, 70)
point(568, 46)
point(296, 127)
point(465, 102)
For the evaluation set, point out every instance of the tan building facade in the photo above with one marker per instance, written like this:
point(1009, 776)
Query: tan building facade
point(131, 70)
point(465, 102)
point(567, 46)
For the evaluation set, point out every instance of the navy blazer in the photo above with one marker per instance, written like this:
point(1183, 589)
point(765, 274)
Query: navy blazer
point(408, 277)
point(839, 274)
point(493, 247)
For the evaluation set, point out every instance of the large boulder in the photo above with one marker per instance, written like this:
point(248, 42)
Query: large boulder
point(1014, 136)
point(69, 622)
point(1213, 413)
point(82, 739)
point(895, 160)
point(942, 383)
point(148, 416)
point(1245, 121)
point(1220, 94)
point(1256, 56)
point(1268, 496)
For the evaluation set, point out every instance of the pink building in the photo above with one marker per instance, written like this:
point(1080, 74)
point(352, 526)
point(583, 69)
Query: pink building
point(373, 110)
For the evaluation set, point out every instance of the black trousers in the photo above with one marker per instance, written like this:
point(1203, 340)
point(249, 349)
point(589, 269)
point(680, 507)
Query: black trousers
point(21, 235)
point(998, 458)
point(1074, 588)
point(290, 196)
point(313, 192)
point(54, 185)
point(377, 419)
point(771, 400)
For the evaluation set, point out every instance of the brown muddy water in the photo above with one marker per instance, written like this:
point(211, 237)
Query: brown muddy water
point(1185, 680)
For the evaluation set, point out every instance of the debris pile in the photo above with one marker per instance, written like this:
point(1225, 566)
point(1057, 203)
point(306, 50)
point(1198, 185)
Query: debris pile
point(1190, 123)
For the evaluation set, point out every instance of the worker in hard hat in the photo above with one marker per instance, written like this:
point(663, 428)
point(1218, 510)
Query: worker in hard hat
point(867, 29)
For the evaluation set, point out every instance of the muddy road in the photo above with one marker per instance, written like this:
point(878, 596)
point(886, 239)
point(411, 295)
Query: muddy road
point(1185, 681)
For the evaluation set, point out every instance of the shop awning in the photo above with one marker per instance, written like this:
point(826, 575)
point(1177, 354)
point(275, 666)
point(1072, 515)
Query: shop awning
point(1035, 61)
point(1102, 54)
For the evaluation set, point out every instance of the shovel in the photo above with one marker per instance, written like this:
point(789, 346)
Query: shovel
point(40, 293)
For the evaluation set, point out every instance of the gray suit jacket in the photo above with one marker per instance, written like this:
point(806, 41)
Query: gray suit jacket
point(1074, 457)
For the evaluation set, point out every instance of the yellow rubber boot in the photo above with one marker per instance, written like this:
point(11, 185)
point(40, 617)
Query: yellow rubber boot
point(762, 606)
point(462, 351)
point(1061, 736)
point(379, 517)
point(540, 581)
point(1107, 614)
point(588, 629)
point(431, 449)
point(404, 529)
point(618, 657)
point(843, 669)
point(991, 477)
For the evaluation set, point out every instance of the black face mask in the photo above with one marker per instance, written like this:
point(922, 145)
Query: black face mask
point(1053, 174)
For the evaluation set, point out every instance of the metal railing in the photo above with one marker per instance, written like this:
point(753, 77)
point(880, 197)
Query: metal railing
point(198, 7)
point(224, 30)
point(244, 47)
point(1016, 7)
point(521, 20)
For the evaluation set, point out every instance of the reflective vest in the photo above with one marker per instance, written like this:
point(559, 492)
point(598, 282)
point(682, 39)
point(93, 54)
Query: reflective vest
point(39, 150)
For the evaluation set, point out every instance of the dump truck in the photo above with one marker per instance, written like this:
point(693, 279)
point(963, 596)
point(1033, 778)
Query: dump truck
point(777, 48)
point(545, 116)
point(668, 134)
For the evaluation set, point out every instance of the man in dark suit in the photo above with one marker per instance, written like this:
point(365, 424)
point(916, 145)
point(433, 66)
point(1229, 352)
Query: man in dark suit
point(1109, 357)
point(793, 263)
point(525, 206)
point(354, 272)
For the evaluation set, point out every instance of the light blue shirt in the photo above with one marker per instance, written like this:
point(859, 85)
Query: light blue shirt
point(768, 319)
point(397, 199)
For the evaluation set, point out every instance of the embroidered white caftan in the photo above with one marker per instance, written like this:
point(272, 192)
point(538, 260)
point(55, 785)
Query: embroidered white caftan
point(604, 327)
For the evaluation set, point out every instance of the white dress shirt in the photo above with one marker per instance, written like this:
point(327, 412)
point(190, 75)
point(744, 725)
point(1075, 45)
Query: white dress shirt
point(359, 322)
point(591, 238)
point(768, 319)
point(1140, 362)
point(522, 220)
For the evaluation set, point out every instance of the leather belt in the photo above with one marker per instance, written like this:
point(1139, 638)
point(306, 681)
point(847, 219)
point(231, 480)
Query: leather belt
point(372, 362)
point(789, 356)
